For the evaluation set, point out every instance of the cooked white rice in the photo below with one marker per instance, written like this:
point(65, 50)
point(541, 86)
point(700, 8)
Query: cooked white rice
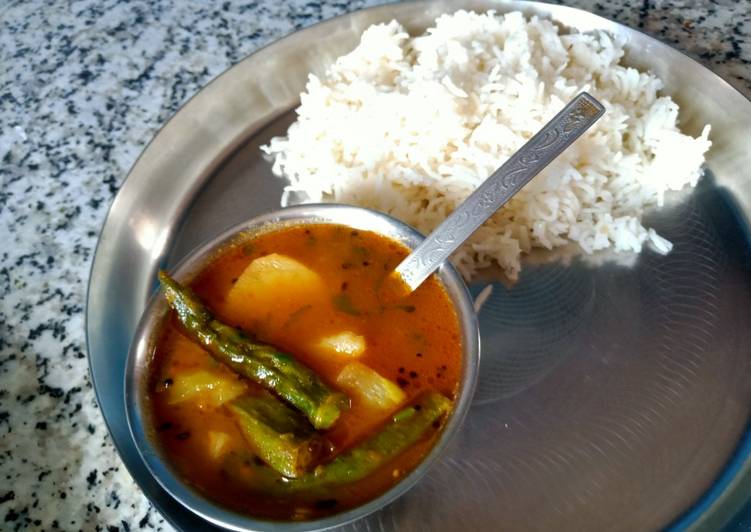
point(411, 125)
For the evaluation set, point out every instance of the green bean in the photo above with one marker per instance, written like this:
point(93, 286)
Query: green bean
point(278, 435)
point(279, 372)
point(405, 428)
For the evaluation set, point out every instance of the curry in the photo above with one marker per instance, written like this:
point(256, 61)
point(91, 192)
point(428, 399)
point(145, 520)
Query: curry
point(284, 385)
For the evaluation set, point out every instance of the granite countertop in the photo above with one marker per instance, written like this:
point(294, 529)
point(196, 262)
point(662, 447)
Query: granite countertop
point(84, 86)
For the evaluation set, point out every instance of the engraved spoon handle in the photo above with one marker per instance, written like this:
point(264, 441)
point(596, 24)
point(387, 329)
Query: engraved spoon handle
point(517, 171)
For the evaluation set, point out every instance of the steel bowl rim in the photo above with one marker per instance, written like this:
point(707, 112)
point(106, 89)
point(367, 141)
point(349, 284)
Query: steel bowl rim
point(135, 401)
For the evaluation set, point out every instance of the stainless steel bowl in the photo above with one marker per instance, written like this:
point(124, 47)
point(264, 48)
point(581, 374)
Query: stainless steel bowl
point(139, 357)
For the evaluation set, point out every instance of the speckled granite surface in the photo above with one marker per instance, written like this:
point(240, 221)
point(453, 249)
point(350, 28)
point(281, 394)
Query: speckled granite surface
point(84, 85)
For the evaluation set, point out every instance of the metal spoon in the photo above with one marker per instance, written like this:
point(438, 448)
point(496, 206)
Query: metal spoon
point(557, 135)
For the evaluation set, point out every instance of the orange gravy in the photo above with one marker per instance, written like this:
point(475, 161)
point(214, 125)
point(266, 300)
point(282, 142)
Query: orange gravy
point(414, 342)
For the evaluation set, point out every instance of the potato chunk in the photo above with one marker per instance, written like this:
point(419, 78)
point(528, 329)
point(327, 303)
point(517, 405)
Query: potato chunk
point(272, 288)
point(367, 384)
point(345, 343)
point(206, 389)
point(218, 444)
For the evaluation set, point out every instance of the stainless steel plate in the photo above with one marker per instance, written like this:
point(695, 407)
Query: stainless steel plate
point(610, 397)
